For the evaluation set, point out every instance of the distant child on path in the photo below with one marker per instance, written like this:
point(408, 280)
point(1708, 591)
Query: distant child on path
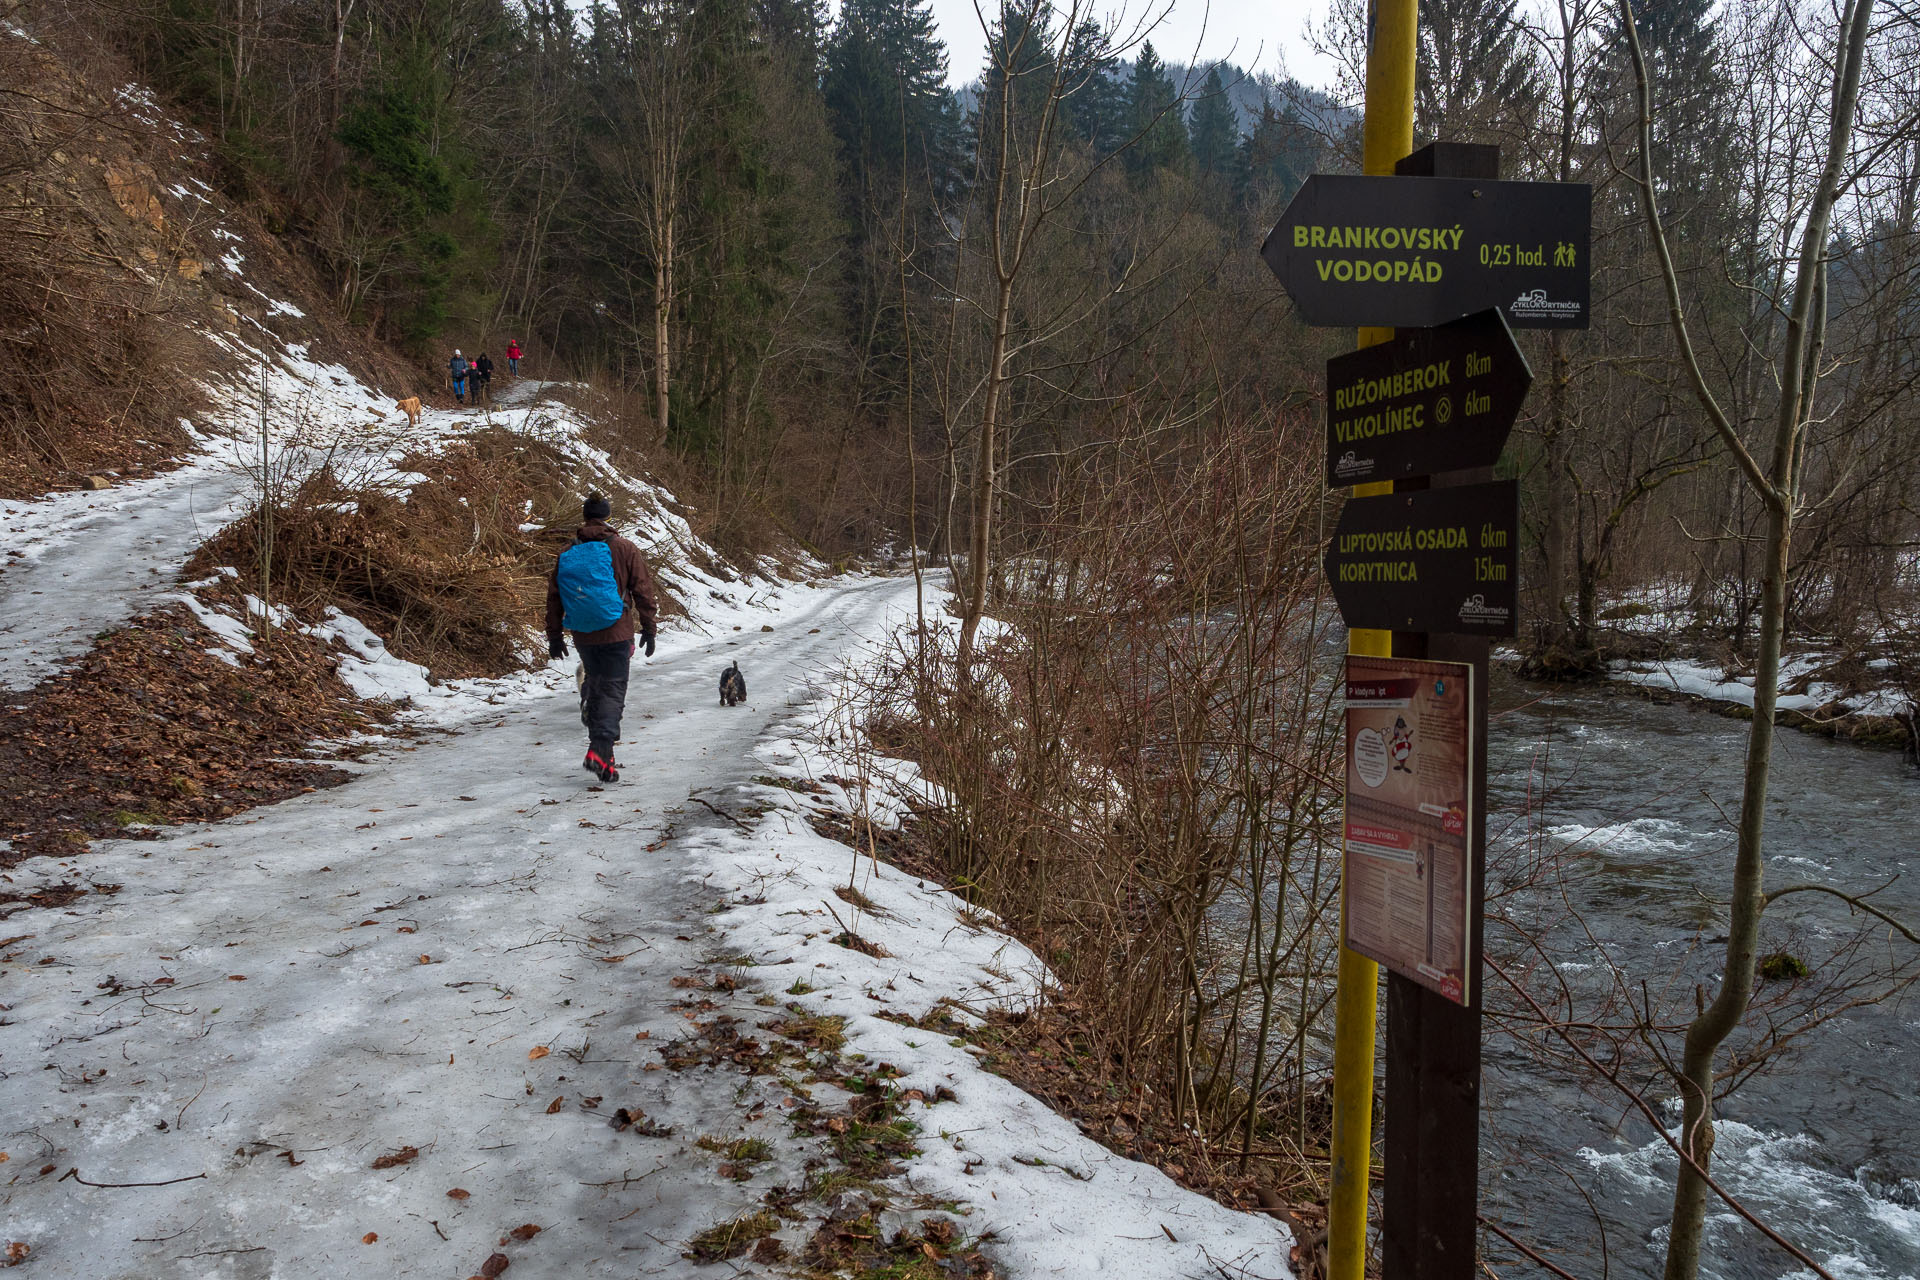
point(457, 371)
point(513, 358)
point(482, 379)
point(601, 591)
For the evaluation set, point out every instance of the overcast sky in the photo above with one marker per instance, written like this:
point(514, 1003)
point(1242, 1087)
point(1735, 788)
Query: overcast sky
point(1260, 35)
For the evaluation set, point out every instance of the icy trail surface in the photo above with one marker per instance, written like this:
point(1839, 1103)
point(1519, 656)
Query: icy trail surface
point(268, 1006)
point(276, 1047)
point(116, 550)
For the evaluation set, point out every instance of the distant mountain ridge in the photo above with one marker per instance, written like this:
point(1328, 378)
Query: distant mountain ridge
point(1246, 90)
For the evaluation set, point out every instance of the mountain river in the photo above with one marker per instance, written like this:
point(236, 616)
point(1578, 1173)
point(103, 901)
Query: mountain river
point(1627, 804)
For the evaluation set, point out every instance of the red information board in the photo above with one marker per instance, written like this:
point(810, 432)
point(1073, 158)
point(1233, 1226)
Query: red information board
point(1408, 881)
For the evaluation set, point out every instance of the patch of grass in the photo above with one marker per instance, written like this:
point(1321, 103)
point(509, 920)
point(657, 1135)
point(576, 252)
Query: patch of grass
point(822, 1032)
point(801, 785)
point(934, 1251)
point(799, 988)
point(826, 1183)
point(854, 942)
point(743, 1150)
point(854, 898)
point(731, 1238)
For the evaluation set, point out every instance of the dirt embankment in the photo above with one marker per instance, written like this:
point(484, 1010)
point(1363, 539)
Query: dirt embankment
point(129, 280)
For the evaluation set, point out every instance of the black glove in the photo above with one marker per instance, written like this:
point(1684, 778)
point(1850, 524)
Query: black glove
point(647, 640)
point(556, 647)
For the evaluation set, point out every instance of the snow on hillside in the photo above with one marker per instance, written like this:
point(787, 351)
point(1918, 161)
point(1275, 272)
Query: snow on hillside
point(106, 555)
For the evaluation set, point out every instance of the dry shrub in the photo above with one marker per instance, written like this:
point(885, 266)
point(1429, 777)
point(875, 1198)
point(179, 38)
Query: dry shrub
point(445, 576)
point(1140, 776)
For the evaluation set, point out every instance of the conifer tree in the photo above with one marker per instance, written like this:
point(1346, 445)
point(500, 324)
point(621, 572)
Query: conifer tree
point(1276, 156)
point(1095, 105)
point(1475, 79)
point(1694, 150)
point(885, 86)
point(1214, 130)
point(1153, 116)
point(886, 99)
point(1020, 52)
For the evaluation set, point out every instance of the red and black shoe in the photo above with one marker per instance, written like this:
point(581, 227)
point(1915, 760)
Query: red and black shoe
point(601, 766)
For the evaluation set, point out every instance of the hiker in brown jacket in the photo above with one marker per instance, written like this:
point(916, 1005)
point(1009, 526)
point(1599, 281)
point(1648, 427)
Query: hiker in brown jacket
point(601, 591)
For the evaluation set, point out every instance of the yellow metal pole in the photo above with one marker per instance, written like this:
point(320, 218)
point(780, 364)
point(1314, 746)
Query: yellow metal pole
point(1387, 135)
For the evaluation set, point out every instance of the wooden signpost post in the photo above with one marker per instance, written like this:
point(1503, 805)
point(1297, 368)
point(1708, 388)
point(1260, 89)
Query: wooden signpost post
point(1433, 564)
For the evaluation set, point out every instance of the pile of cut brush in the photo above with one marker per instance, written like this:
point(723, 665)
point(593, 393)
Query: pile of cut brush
point(442, 570)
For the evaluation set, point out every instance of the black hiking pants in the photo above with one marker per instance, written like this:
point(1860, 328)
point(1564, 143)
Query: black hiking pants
point(603, 694)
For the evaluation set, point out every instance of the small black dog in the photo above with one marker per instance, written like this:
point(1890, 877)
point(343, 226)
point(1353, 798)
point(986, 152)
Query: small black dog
point(733, 686)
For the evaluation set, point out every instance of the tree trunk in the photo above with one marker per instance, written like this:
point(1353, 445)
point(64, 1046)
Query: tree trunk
point(983, 480)
point(1717, 1021)
point(662, 305)
point(1559, 488)
point(1776, 482)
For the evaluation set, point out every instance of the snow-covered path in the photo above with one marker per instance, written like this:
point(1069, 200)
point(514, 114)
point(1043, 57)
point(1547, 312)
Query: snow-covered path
point(267, 1006)
point(103, 557)
point(75, 564)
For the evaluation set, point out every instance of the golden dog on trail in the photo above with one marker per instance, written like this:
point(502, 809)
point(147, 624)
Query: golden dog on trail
point(411, 407)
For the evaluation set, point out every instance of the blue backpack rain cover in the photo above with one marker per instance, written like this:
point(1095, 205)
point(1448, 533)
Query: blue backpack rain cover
point(588, 594)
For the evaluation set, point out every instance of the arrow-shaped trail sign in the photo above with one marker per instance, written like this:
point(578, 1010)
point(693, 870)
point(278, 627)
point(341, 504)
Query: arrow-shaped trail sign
point(1429, 560)
point(1428, 400)
point(1422, 251)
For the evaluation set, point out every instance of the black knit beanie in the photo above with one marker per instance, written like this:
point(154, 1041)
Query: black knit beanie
point(596, 508)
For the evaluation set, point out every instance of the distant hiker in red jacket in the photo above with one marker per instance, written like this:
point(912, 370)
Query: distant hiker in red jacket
point(513, 359)
point(601, 591)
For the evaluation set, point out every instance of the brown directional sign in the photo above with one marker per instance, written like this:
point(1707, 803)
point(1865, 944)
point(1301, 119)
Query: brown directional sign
point(1429, 560)
point(1430, 400)
point(1416, 252)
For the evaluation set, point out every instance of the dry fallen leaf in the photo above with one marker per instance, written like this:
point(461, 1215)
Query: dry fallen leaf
point(459, 1193)
point(405, 928)
point(494, 1265)
point(17, 1252)
point(556, 1104)
point(525, 1232)
point(641, 1035)
point(236, 977)
point(4, 1157)
point(392, 1158)
point(426, 959)
point(369, 1238)
point(538, 1051)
